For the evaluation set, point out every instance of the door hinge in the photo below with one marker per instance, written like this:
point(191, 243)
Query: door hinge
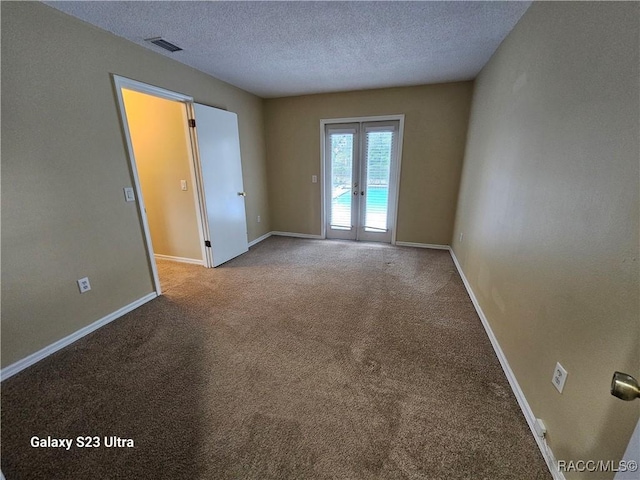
point(207, 243)
point(192, 122)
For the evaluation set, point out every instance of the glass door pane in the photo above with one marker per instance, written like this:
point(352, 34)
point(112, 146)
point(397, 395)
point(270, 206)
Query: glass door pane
point(341, 179)
point(379, 147)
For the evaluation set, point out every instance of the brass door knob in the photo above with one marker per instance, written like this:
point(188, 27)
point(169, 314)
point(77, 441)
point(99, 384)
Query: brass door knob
point(624, 386)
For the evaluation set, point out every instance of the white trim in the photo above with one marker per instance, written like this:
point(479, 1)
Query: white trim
point(380, 118)
point(69, 339)
point(259, 239)
point(323, 228)
point(128, 83)
point(434, 246)
point(192, 261)
point(297, 235)
point(513, 382)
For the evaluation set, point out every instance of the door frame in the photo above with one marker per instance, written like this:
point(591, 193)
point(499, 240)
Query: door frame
point(119, 83)
point(323, 195)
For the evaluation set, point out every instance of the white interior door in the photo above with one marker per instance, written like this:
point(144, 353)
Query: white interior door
point(221, 169)
point(361, 183)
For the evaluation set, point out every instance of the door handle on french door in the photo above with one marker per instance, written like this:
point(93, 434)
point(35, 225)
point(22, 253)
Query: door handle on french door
point(361, 193)
point(242, 194)
point(624, 386)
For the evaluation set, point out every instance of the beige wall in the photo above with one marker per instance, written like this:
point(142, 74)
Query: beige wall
point(163, 157)
point(435, 128)
point(549, 211)
point(64, 166)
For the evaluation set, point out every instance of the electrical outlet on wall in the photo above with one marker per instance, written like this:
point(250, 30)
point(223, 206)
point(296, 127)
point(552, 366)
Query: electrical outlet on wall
point(84, 285)
point(559, 377)
point(461, 237)
point(258, 218)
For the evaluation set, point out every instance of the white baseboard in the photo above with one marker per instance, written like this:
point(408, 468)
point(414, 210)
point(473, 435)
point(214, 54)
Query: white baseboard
point(54, 347)
point(297, 235)
point(320, 237)
point(192, 261)
point(259, 239)
point(515, 386)
point(434, 246)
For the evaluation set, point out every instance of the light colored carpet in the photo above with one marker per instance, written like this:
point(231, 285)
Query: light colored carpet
point(301, 359)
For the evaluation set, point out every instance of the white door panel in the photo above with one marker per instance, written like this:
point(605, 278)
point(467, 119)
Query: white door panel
point(342, 180)
point(219, 152)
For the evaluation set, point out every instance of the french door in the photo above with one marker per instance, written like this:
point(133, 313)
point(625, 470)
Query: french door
point(360, 185)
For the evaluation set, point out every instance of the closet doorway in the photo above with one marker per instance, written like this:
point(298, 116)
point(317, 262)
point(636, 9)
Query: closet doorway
point(207, 202)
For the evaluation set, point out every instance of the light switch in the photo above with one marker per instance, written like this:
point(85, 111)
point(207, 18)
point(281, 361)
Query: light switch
point(183, 185)
point(129, 196)
point(314, 178)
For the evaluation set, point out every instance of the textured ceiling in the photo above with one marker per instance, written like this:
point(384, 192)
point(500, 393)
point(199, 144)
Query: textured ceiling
point(276, 49)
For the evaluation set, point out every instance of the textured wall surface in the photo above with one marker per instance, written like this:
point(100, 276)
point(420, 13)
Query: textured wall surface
point(549, 211)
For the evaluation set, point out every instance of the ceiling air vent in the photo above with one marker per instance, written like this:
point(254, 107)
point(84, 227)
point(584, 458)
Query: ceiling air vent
point(163, 44)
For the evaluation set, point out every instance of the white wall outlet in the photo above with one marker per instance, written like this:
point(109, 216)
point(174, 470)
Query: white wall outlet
point(183, 185)
point(129, 196)
point(258, 218)
point(84, 285)
point(559, 377)
point(314, 178)
point(461, 237)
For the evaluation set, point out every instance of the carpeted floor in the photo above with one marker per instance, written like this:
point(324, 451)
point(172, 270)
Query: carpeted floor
point(302, 359)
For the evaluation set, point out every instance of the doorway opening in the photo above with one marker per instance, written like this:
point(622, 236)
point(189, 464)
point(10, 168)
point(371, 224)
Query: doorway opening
point(187, 175)
point(161, 145)
point(361, 171)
